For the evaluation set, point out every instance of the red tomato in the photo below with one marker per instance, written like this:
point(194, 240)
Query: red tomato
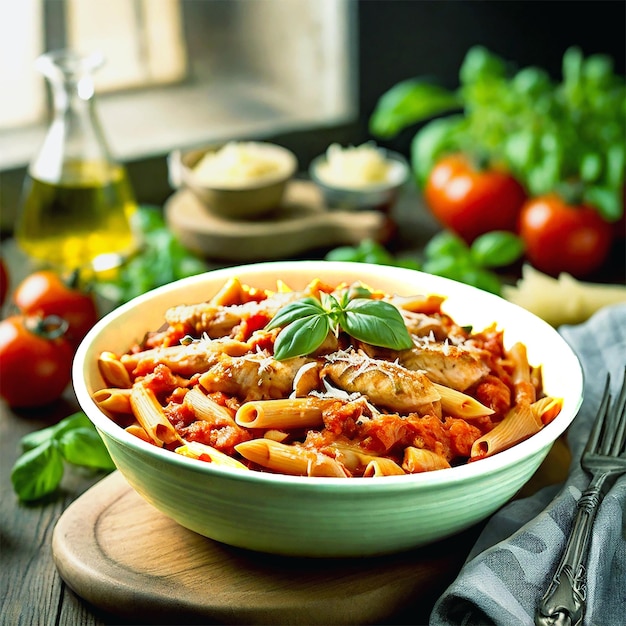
point(35, 361)
point(471, 202)
point(45, 293)
point(560, 237)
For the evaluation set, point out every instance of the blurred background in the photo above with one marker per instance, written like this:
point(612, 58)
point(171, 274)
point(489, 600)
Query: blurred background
point(304, 73)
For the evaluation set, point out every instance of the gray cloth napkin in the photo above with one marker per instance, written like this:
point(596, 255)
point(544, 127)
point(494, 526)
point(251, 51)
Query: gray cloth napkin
point(512, 563)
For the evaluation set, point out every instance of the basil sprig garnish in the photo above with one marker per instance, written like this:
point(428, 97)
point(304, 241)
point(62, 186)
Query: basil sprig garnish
point(306, 323)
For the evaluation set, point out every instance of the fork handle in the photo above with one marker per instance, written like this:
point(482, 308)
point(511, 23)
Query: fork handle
point(564, 601)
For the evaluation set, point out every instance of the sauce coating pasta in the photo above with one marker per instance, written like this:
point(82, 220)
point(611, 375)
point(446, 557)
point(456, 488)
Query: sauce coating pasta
point(207, 386)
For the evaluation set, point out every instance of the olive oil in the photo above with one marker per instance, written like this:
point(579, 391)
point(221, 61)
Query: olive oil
point(77, 204)
point(80, 220)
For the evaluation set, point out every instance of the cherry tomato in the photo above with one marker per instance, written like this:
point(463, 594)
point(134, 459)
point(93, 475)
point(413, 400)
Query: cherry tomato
point(45, 293)
point(35, 360)
point(470, 201)
point(560, 237)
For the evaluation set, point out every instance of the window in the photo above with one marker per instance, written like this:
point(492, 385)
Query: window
point(183, 72)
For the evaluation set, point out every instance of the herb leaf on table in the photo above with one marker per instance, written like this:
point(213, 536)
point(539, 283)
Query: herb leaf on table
point(39, 470)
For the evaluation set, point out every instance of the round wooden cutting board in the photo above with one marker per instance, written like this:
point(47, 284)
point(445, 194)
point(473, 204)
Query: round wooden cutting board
point(123, 556)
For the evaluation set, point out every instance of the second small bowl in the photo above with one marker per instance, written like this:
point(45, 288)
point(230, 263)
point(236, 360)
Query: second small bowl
point(374, 196)
point(237, 195)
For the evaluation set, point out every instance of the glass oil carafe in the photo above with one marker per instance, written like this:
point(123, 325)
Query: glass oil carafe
point(77, 202)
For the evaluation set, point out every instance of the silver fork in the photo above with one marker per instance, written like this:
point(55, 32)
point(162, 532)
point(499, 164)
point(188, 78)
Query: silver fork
point(604, 456)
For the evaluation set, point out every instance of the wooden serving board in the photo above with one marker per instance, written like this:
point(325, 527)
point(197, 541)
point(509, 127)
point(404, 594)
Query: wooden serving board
point(123, 556)
point(300, 224)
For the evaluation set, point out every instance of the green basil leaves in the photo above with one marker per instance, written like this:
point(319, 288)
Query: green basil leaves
point(306, 323)
point(39, 470)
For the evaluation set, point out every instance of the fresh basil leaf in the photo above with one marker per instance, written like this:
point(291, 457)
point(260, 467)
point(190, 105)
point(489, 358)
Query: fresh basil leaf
point(531, 82)
point(330, 304)
point(597, 70)
point(38, 472)
point(479, 65)
point(590, 167)
point(446, 243)
point(378, 323)
point(447, 266)
point(431, 141)
point(615, 165)
point(301, 337)
point(345, 253)
point(608, 202)
point(374, 252)
point(482, 279)
point(497, 248)
point(409, 102)
point(572, 67)
point(520, 149)
point(84, 447)
point(36, 438)
point(294, 311)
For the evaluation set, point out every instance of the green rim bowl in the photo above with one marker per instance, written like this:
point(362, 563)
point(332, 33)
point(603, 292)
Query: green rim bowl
point(328, 517)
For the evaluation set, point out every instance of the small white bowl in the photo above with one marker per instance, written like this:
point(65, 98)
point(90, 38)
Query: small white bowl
point(328, 517)
point(375, 196)
point(235, 199)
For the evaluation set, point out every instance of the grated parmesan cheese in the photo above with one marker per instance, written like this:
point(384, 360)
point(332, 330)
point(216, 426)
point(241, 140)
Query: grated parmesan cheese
point(355, 167)
point(236, 163)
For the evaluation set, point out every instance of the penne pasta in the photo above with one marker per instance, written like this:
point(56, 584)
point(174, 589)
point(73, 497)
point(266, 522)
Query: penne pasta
point(229, 294)
point(208, 410)
point(285, 413)
point(138, 430)
point(459, 404)
point(382, 466)
point(352, 457)
point(150, 415)
point(289, 459)
point(524, 390)
point(113, 400)
point(519, 423)
point(197, 450)
point(420, 460)
point(113, 371)
point(547, 408)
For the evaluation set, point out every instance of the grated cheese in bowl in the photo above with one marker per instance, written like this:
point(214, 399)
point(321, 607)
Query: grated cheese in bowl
point(238, 164)
point(356, 167)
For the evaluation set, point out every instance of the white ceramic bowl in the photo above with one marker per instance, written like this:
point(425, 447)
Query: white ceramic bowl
point(328, 516)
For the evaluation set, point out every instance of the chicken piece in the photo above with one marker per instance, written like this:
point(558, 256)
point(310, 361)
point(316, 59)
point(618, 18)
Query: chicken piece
point(185, 359)
point(422, 325)
point(218, 321)
point(252, 377)
point(385, 383)
point(446, 364)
